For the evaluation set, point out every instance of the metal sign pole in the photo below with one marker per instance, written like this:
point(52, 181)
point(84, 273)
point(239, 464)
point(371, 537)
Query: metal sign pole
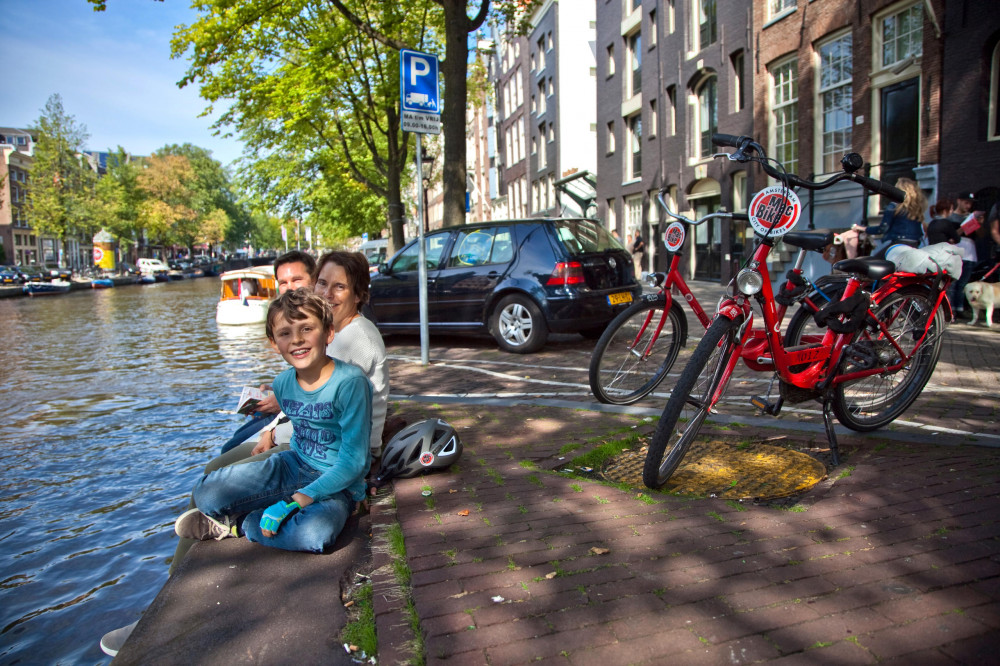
point(422, 261)
point(419, 104)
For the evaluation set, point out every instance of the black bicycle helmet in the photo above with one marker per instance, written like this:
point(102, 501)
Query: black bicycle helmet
point(422, 446)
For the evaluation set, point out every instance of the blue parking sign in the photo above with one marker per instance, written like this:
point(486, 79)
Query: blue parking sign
point(418, 81)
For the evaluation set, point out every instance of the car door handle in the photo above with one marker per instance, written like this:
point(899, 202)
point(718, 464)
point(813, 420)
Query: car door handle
point(493, 274)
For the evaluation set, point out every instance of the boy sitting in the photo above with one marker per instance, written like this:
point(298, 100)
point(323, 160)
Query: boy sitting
point(298, 499)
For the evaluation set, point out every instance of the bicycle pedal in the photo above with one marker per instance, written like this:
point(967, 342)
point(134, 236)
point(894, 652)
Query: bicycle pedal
point(765, 405)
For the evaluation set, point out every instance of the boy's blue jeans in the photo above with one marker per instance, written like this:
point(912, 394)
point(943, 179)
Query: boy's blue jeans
point(247, 490)
point(253, 425)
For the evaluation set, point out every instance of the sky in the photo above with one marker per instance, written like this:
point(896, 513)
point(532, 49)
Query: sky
point(113, 70)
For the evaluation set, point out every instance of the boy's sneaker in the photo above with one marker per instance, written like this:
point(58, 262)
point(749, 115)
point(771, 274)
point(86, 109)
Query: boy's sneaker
point(113, 641)
point(193, 524)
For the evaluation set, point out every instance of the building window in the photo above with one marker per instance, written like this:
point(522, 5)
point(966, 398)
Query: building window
point(708, 115)
point(654, 119)
point(611, 60)
point(902, 35)
point(836, 100)
point(739, 82)
point(552, 87)
point(534, 104)
point(634, 42)
point(534, 61)
point(552, 132)
point(652, 27)
point(520, 139)
point(994, 128)
point(631, 6)
point(548, 44)
point(541, 97)
point(739, 191)
point(518, 88)
point(671, 16)
point(671, 110)
point(633, 214)
point(612, 223)
point(541, 50)
point(635, 147)
point(705, 27)
point(779, 7)
point(611, 138)
point(785, 112)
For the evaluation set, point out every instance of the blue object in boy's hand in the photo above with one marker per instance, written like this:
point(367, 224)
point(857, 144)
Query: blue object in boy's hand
point(276, 514)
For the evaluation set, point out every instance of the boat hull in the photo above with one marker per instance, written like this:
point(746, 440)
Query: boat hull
point(236, 312)
point(102, 283)
point(46, 288)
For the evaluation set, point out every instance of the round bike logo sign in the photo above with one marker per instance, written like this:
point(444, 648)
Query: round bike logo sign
point(674, 237)
point(426, 458)
point(774, 211)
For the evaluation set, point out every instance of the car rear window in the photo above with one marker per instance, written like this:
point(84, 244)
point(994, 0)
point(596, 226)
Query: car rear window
point(584, 236)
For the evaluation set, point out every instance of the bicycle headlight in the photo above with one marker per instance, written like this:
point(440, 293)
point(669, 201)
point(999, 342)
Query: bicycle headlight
point(749, 281)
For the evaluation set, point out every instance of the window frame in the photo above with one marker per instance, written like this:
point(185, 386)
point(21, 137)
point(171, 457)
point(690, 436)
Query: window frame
point(698, 42)
point(633, 50)
point(827, 159)
point(879, 40)
point(633, 157)
point(784, 8)
point(702, 140)
point(789, 104)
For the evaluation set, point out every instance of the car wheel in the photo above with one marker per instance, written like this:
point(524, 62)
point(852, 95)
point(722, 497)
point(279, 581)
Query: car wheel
point(518, 325)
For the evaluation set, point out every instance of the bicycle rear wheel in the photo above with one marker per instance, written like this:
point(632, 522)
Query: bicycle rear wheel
point(877, 400)
point(688, 404)
point(621, 372)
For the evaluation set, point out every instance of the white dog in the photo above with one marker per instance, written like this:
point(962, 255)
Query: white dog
point(982, 296)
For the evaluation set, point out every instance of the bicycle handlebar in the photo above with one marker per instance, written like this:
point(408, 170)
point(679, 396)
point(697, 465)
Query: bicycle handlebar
point(744, 145)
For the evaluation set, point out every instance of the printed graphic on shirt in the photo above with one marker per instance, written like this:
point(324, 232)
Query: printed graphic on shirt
point(312, 440)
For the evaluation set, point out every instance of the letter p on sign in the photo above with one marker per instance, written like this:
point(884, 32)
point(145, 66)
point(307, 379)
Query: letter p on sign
point(418, 82)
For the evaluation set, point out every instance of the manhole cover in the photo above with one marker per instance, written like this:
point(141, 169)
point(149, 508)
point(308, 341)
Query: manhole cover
point(719, 468)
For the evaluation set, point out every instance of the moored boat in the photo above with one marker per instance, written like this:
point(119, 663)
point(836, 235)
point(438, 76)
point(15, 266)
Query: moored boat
point(102, 283)
point(37, 288)
point(246, 295)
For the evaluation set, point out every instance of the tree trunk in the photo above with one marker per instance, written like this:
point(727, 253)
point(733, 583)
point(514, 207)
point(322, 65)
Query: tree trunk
point(453, 119)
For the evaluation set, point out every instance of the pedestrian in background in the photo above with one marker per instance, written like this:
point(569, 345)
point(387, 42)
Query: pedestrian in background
point(903, 223)
point(638, 252)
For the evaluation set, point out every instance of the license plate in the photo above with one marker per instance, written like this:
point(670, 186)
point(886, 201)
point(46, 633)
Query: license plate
point(618, 299)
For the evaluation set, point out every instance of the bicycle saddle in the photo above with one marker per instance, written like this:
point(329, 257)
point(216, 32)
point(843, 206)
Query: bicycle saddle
point(815, 241)
point(876, 269)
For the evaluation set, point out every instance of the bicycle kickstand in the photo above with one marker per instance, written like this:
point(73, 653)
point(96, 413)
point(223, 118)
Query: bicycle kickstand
point(831, 436)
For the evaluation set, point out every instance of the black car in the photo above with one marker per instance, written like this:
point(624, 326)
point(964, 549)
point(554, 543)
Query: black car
point(10, 275)
point(56, 273)
point(518, 280)
point(32, 273)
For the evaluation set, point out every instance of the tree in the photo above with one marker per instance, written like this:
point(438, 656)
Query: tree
point(314, 96)
point(167, 211)
point(118, 198)
point(61, 190)
point(457, 27)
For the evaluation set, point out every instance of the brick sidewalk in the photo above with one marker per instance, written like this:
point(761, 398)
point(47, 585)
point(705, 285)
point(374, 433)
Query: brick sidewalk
point(891, 560)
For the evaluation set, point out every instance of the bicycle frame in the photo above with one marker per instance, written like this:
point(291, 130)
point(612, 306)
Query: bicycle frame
point(763, 350)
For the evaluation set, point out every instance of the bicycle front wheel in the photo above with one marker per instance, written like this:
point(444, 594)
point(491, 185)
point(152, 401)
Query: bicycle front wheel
point(875, 401)
point(625, 366)
point(689, 401)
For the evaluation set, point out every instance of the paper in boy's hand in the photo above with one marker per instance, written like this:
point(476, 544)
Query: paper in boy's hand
point(249, 398)
point(971, 224)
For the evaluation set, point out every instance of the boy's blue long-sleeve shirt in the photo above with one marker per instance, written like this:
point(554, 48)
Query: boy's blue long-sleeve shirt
point(331, 428)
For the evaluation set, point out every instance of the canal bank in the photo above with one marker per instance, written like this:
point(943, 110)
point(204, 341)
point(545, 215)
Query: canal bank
point(510, 560)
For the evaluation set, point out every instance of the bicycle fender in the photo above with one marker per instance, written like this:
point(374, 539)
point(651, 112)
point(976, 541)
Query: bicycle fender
point(731, 310)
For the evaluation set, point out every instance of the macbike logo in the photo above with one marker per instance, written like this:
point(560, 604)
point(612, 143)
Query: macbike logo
point(674, 237)
point(774, 211)
point(426, 458)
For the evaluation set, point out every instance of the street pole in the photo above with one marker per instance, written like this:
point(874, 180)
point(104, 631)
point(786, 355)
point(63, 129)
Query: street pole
point(422, 259)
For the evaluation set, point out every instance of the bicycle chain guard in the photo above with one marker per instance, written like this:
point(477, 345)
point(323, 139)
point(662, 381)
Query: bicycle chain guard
point(855, 308)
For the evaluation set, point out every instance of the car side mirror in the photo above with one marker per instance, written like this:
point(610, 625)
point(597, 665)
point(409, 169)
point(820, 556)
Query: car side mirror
point(383, 268)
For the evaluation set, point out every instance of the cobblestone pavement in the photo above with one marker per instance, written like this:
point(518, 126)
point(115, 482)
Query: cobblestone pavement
point(891, 559)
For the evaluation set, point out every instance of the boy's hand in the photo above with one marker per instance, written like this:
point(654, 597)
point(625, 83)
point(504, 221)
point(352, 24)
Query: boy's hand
point(265, 442)
point(269, 405)
point(274, 516)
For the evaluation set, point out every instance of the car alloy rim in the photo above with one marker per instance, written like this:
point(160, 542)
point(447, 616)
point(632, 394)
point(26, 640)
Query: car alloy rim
point(515, 324)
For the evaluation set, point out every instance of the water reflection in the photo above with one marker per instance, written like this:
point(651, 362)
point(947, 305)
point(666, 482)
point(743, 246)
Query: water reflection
point(114, 399)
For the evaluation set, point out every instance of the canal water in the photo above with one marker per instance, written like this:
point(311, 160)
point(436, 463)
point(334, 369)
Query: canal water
point(112, 401)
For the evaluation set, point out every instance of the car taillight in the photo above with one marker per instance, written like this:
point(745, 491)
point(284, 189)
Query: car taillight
point(566, 273)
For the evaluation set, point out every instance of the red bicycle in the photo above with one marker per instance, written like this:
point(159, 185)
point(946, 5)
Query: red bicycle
point(866, 360)
point(640, 346)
